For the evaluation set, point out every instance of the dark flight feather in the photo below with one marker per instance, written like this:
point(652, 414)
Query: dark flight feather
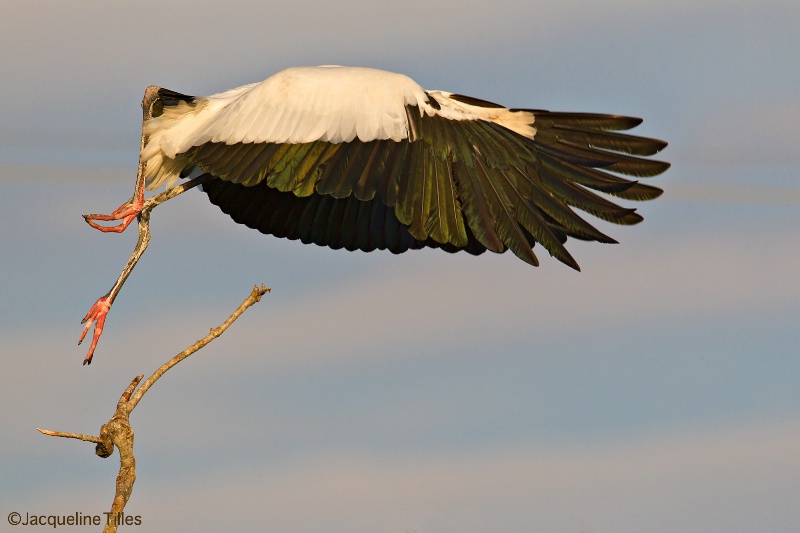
point(457, 185)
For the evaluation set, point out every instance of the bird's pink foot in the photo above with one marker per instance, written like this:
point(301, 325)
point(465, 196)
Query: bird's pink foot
point(97, 315)
point(126, 213)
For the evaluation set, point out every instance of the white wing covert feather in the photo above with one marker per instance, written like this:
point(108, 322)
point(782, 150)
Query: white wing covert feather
point(305, 104)
point(290, 107)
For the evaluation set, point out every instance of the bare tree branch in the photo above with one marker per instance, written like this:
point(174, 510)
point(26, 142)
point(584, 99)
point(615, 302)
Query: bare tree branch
point(255, 296)
point(117, 432)
point(79, 436)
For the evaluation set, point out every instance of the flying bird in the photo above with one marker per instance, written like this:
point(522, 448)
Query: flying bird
point(365, 159)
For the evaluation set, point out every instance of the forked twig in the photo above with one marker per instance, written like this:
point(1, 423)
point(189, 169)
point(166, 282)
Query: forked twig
point(118, 432)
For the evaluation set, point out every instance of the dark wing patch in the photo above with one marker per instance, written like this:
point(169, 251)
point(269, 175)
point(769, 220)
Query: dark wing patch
point(346, 223)
point(477, 102)
point(471, 185)
point(164, 98)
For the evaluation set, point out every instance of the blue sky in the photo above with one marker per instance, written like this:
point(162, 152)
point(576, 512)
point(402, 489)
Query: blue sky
point(655, 390)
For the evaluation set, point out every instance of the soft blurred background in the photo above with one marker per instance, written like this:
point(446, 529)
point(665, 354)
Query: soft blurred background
point(658, 390)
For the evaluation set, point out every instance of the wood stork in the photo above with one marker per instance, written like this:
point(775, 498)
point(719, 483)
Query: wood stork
point(364, 159)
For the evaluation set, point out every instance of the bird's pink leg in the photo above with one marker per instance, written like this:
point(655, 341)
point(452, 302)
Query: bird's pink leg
point(126, 213)
point(134, 208)
point(97, 315)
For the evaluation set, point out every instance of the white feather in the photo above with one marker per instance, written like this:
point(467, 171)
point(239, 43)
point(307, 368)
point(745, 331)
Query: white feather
point(304, 104)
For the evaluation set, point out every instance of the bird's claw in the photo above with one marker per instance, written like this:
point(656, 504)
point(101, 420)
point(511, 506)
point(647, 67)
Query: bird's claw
point(97, 315)
point(126, 213)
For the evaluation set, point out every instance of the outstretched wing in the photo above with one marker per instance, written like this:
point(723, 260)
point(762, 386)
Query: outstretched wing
point(385, 164)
